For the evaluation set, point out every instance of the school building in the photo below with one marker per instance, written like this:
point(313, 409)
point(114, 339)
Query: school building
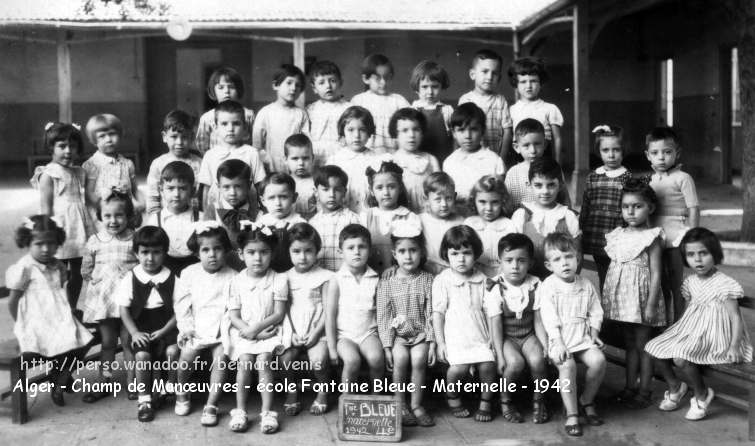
point(635, 64)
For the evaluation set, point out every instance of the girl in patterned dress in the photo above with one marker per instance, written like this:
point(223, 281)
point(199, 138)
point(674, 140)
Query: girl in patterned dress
point(408, 127)
point(711, 329)
point(387, 201)
point(61, 188)
point(109, 256)
point(601, 210)
point(304, 325)
point(257, 306)
point(632, 290)
point(490, 204)
point(44, 324)
point(459, 321)
point(404, 314)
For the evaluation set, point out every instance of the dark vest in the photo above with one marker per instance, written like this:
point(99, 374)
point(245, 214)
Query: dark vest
point(140, 292)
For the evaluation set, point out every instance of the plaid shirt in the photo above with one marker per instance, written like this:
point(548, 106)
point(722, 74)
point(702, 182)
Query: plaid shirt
point(404, 307)
point(329, 226)
point(207, 138)
point(601, 208)
point(497, 116)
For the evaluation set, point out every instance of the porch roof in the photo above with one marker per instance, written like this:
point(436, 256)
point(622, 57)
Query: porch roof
point(292, 14)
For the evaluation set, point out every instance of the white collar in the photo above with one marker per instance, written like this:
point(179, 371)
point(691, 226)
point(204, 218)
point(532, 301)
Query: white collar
point(659, 175)
point(480, 224)
point(104, 236)
point(458, 280)
point(269, 220)
point(107, 159)
point(144, 277)
point(615, 173)
point(346, 272)
point(546, 220)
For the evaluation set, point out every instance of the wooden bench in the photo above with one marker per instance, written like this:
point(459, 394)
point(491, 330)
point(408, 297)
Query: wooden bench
point(738, 375)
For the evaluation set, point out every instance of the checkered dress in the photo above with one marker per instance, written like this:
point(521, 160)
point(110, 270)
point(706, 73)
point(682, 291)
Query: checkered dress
point(601, 210)
point(404, 308)
point(329, 226)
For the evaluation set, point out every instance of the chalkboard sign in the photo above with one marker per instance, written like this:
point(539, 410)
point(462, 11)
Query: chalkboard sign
point(369, 418)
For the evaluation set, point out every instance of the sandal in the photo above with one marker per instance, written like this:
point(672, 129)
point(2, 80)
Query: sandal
point(641, 400)
point(625, 395)
point(269, 422)
point(292, 409)
point(318, 408)
point(484, 415)
point(239, 420)
point(93, 397)
point(573, 430)
point(540, 413)
point(182, 408)
point(209, 415)
point(457, 409)
point(423, 418)
point(592, 419)
point(509, 412)
point(407, 416)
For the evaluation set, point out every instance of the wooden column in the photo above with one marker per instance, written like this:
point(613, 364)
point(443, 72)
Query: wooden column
point(299, 61)
point(580, 49)
point(65, 111)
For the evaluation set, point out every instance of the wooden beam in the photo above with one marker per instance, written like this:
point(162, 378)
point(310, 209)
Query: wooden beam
point(299, 61)
point(65, 109)
point(580, 48)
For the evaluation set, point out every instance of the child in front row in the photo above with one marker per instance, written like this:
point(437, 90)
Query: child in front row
point(471, 160)
point(331, 183)
point(428, 80)
point(257, 305)
point(632, 290)
point(387, 201)
point(200, 303)
point(530, 144)
point(678, 207)
point(300, 161)
point(572, 316)
point(325, 79)
point(710, 331)
point(459, 322)
point(145, 296)
point(377, 76)
point(282, 118)
point(405, 319)
point(108, 258)
point(237, 202)
point(491, 208)
point(516, 328)
point(544, 216)
point(44, 324)
point(178, 216)
point(304, 326)
point(440, 216)
point(178, 135)
point(278, 194)
point(350, 319)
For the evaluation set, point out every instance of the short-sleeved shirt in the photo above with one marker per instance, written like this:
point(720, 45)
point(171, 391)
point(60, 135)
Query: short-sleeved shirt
point(179, 228)
point(545, 112)
point(306, 199)
point(108, 172)
point(515, 298)
point(124, 292)
point(382, 107)
point(216, 155)
point(207, 138)
point(465, 168)
point(675, 190)
point(497, 116)
point(357, 317)
point(329, 226)
point(276, 122)
point(323, 127)
point(156, 169)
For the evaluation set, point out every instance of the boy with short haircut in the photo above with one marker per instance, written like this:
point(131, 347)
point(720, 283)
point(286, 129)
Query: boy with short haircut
point(177, 217)
point(278, 120)
point(330, 182)
point(299, 158)
point(471, 160)
point(237, 202)
point(145, 297)
point(530, 144)
point(325, 79)
point(440, 196)
point(278, 194)
point(230, 130)
point(486, 73)
point(178, 136)
point(543, 216)
point(527, 75)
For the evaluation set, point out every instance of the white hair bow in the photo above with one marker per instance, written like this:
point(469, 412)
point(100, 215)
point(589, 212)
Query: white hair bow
point(244, 224)
point(76, 126)
point(201, 227)
point(27, 223)
point(48, 125)
point(602, 128)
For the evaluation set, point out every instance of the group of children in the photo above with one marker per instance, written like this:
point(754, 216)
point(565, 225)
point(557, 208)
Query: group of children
point(370, 240)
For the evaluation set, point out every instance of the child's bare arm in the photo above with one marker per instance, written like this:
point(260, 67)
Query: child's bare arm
point(46, 194)
point(14, 297)
point(331, 315)
point(540, 333)
point(138, 337)
point(439, 322)
point(90, 193)
point(434, 164)
point(693, 220)
point(557, 142)
point(655, 266)
point(279, 312)
point(496, 335)
point(732, 310)
point(170, 325)
point(506, 142)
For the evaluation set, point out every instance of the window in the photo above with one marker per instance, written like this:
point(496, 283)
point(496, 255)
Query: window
point(667, 92)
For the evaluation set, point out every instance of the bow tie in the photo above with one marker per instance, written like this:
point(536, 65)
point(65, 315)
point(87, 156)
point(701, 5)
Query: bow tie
point(232, 217)
point(490, 284)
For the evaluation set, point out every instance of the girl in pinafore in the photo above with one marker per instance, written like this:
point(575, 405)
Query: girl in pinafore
point(428, 80)
point(44, 324)
point(711, 329)
point(632, 291)
point(387, 201)
point(408, 128)
point(61, 188)
point(601, 211)
point(109, 256)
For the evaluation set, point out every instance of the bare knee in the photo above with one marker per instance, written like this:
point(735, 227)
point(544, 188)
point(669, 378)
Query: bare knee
point(142, 356)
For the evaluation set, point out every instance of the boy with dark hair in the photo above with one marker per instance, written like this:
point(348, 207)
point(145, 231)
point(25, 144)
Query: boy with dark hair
point(299, 160)
point(325, 79)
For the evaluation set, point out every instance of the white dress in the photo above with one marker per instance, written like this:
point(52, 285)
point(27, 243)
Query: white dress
point(417, 166)
point(490, 232)
point(460, 300)
point(306, 306)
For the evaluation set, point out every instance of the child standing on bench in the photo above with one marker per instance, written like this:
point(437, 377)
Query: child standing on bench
point(710, 331)
point(44, 324)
